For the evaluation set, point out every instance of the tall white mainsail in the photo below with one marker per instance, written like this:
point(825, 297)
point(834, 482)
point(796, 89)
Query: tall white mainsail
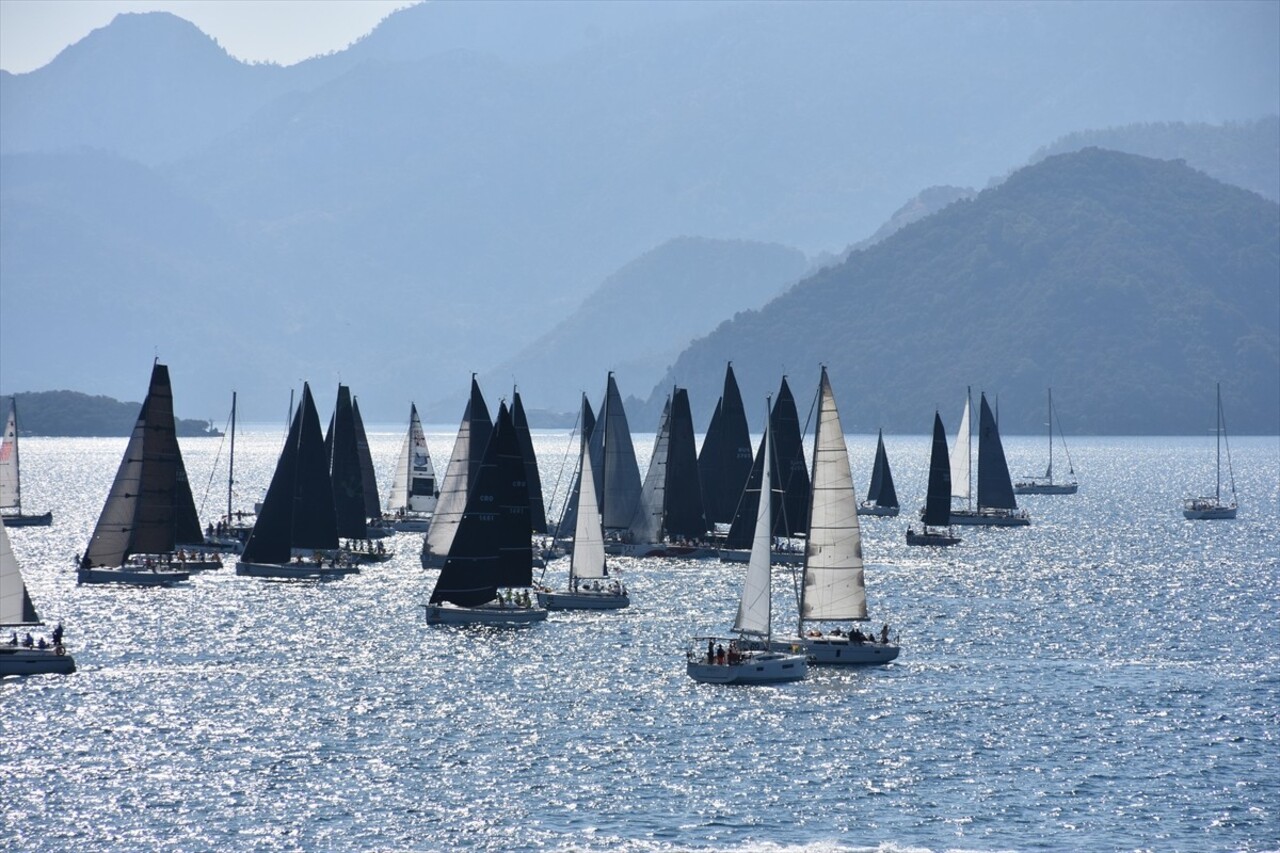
point(15, 604)
point(587, 560)
point(453, 493)
point(413, 488)
point(754, 609)
point(960, 457)
point(833, 576)
point(10, 486)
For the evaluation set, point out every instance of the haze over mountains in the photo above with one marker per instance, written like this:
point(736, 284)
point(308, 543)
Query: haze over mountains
point(440, 197)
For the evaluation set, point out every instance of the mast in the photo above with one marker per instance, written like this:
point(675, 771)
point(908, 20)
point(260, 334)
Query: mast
point(1217, 480)
point(231, 465)
point(1051, 436)
point(968, 455)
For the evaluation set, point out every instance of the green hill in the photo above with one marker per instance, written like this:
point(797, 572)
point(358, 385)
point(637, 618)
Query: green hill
point(1128, 284)
point(74, 414)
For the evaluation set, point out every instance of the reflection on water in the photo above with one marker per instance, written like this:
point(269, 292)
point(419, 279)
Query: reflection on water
point(1104, 679)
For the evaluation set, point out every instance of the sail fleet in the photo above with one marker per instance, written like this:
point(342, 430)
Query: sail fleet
point(322, 516)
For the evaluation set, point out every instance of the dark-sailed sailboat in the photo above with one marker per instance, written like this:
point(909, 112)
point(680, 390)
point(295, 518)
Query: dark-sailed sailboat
point(997, 506)
point(569, 518)
point(491, 549)
point(149, 509)
point(537, 508)
point(11, 478)
point(613, 459)
point(297, 520)
point(724, 463)
point(937, 503)
point(464, 464)
point(351, 474)
point(376, 527)
point(670, 522)
point(882, 498)
point(791, 511)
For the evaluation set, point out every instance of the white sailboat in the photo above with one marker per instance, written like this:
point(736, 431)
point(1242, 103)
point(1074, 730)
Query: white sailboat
point(751, 659)
point(11, 478)
point(413, 486)
point(1046, 485)
point(1214, 507)
point(16, 610)
point(833, 586)
point(590, 587)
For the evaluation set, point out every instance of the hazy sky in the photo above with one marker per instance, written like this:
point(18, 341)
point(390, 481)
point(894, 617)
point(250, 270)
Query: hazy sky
point(32, 32)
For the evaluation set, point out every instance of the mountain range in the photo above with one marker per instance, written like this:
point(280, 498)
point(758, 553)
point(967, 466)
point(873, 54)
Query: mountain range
point(439, 197)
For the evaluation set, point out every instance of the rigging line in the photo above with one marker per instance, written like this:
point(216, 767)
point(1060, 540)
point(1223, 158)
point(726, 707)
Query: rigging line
point(213, 469)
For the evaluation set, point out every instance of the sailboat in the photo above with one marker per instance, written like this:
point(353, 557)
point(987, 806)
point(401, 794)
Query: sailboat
point(150, 508)
point(724, 462)
point(375, 526)
point(832, 586)
point(232, 530)
point(296, 534)
point(669, 521)
point(492, 548)
point(751, 659)
point(11, 479)
point(937, 502)
point(1215, 507)
point(997, 506)
point(587, 566)
point(882, 498)
point(464, 464)
point(17, 611)
point(569, 517)
point(1046, 485)
point(613, 458)
point(351, 474)
point(413, 487)
point(537, 507)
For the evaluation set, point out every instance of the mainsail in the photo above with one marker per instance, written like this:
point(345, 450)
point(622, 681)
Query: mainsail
point(755, 607)
point(468, 450)
point(614, 461)
point(537, 511)
point(150, 507)
point(961, 461)
point(587, 560)
point(683, 517)
point(833, 585)
point(413, 489)
point(492, 547)
point(368, 479)
point(10, 482)
point(15, 604)
point(881, 490)
point(995, 488)
point(724, 464)
point(342, 451)
point(937, 504)
point(647, 524)
point(791, 478)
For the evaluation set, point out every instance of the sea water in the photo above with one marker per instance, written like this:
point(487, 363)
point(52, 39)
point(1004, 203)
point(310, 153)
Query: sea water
point(1107, 678)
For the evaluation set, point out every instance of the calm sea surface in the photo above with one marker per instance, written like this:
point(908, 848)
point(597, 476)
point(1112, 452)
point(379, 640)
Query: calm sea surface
point(1108, 678)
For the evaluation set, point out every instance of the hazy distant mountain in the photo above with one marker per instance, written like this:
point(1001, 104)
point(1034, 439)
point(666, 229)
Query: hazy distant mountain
point(1245, 153)
point(1130, 285)
point(926, 203)
point(645, 314)
point(432, 200)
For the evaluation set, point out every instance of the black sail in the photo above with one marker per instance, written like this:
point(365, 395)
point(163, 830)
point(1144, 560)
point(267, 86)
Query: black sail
point(937, 504)
point(569, 520)
point(369, 479)
point(995, 487)
point(683, 516)
point(613, 461)
point(791, 514)
point(729, 455)
point(710, 466)
point(344, 469)
point(269, 540)
point(881, 490)
point(537, 510)
point(492, 546)
point(481, 428)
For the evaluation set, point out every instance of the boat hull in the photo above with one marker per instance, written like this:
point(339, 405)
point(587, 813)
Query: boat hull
point(880, 511)
point(291, 571)
point(941, 540)
point(409, 524)
point(18, 660)
point(493, 615)
point(1045, 488)
point(583, 600)
point(136, 577)
point(19, 520)
point(1208, 513)
point(756, 668)
point(776, 558)
point(991, 518)
point(838, 651)
point(661, 551)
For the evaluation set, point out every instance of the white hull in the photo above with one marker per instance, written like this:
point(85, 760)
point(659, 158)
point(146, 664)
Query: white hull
point(18, 660)
point(487, 614)
point(291, 571)
point(776, 558)
point(881, 511)
point(991, 517)
point(839, 651)
point(1045, 488)
point(409, 524)
point(754, 668)
point(1200, 512)
point(582, 600)
point(930, 537)
point(137, 577)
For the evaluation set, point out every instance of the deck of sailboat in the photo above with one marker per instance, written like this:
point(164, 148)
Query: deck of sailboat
point(746, 665)
point(20, 660)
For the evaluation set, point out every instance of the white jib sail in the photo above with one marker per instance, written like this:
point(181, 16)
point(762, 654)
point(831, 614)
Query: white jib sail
point(960, 457)
point(754, 608)
point(453, 493)
point(833, 582)
point(12, 590)
point(413, 467)
point(587, 560)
